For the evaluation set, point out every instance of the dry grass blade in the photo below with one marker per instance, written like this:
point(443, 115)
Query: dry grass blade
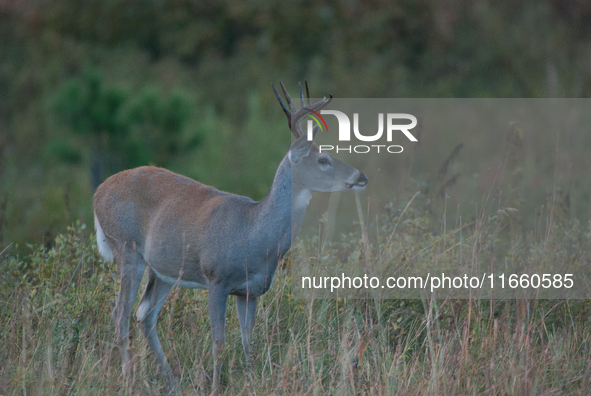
point(445, 164)
point(447, 184)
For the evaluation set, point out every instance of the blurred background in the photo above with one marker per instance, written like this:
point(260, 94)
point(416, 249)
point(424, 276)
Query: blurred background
point(92, 87)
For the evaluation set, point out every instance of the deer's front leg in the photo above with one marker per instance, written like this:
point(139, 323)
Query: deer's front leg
point(218, 298)
point(247, 310)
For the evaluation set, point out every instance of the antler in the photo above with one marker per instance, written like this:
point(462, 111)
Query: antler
point(294, 117)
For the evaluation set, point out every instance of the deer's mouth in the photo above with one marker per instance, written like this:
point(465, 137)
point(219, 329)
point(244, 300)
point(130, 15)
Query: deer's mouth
point(359, 184)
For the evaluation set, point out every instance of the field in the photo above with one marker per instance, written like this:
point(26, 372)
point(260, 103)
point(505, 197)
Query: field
point(57, 334)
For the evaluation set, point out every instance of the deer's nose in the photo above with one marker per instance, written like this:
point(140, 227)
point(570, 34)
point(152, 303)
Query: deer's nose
point(361, 180)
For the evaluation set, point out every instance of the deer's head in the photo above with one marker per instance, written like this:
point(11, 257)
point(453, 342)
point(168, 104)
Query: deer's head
point(311, 169)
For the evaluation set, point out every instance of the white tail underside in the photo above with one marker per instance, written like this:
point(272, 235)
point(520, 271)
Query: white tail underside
point(103, 247)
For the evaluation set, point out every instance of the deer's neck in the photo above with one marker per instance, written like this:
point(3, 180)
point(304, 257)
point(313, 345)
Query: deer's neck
point(282, 210)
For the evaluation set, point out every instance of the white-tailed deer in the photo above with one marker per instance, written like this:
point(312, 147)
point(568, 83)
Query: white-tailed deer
point(192, 235)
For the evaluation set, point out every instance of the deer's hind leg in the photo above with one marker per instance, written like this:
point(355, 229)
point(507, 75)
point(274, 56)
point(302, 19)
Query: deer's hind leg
point(131, 268)
point(154, 297)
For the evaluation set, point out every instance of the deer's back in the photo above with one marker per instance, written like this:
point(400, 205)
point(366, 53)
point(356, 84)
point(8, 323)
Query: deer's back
point(154, 209)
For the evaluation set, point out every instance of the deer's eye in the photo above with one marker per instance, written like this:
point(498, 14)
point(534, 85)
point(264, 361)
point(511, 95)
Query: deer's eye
point(323, 161)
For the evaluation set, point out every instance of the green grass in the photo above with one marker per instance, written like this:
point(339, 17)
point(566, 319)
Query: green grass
point(57, 335)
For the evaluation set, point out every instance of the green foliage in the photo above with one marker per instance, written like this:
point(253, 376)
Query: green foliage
point(158, 124)
point(64, 151)
point(89, 108)
point(121, 131)
point(108, 85)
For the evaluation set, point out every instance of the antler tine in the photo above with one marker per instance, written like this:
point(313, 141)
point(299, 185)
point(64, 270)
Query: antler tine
point(287, 97)
point(285, 109)
point(294, 117)
point(302, 104)
point(289, 112)
point(320, 104)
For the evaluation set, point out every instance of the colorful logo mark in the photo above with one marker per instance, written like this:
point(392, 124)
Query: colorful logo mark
point(315, 116)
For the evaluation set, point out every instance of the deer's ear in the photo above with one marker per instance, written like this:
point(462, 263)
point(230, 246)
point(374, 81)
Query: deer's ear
point(300, 149)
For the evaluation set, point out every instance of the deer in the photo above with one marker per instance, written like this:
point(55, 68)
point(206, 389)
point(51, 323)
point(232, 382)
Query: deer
point(195, 236)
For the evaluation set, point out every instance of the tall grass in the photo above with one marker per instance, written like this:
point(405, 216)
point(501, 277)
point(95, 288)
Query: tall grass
point(57, 337)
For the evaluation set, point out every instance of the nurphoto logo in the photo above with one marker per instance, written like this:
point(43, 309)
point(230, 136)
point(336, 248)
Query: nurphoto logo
point(392, 125)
